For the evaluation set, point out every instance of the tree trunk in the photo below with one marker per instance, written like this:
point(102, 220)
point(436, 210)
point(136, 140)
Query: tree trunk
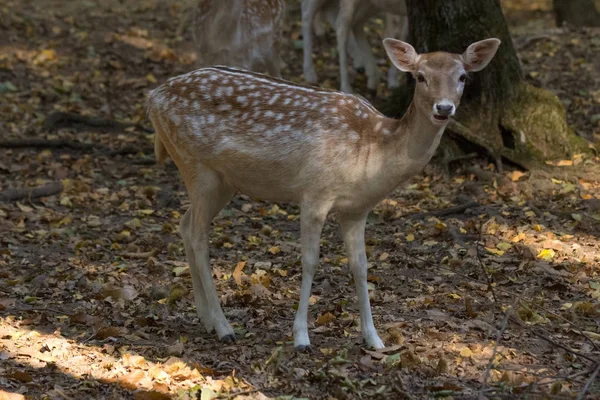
point(576, 12)
point(499, 111)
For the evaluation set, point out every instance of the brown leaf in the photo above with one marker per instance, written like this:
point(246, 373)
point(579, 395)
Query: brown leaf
point(325, 319)
point(108, 331)
point(133, 360)
point(132, 379)
point(150, 395)
point(237, 273)
point(126, 293)
point(259, 291)
point(10, 396)
point(20, 376)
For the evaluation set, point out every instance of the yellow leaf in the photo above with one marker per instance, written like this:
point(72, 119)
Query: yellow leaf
point(274, 250)
point(518, 237)
point(495, 251)
point(383, 256)
point(546, 254)
point(151, 78)
point(454, 296)
point(537, 228)
point(564, 163)
point(516, 175)
point(466, 352)
point(503, 246)
point(312, 300)
point(441, 226)
point(237, 273)
point(410, 237)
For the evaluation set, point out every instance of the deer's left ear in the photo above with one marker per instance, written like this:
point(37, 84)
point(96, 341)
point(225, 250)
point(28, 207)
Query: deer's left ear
point(479, 54)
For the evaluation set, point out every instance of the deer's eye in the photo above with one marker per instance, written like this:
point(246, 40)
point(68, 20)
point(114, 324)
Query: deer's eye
point(420, 78)
point(463, 78)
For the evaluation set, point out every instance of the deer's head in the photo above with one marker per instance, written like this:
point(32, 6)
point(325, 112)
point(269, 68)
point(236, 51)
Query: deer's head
point(440, 77)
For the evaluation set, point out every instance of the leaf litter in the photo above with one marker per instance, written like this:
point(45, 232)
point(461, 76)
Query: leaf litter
point(95, 292)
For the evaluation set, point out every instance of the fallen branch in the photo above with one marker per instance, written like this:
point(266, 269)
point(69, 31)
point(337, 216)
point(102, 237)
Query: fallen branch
point(67, 144)
point(48, 189)
point(447, 211)
point(46, 144)
point(56, 120)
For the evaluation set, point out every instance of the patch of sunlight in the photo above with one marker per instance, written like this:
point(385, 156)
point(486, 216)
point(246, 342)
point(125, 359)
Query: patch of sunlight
point(118, 366)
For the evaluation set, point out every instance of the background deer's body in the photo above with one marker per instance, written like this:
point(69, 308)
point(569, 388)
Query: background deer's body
point(230, 130)
point(241, 33)
point(349, 17)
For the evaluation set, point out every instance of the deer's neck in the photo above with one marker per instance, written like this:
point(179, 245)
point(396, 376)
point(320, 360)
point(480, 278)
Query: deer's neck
point(417, 137)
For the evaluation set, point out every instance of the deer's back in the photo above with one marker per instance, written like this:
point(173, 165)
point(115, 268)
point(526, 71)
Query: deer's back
point(262, 132)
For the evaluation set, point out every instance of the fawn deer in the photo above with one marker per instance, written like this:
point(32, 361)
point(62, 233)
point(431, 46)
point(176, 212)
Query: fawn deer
point(229, 130)
point(349, 17)
point(240, 33)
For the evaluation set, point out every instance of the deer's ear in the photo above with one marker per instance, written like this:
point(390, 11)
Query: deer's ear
point(479, 54)
point(402, 54)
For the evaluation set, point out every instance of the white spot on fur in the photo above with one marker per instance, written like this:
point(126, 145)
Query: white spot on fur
point(243, 100)
point(211, 118)
point(224, 107)
point(273, 99)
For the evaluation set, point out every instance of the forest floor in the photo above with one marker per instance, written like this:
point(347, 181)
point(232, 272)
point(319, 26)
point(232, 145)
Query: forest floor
point(501, 297)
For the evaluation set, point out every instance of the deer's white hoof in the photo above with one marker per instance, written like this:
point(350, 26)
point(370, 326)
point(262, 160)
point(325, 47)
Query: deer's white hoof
point(224, 330)
point(374, 342)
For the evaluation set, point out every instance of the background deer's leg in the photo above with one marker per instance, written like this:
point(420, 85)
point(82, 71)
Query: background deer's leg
point(208, 196)
point(312, 218)
point(353, 232)
point(309, 9)
point(343, 23)
point(369, 61)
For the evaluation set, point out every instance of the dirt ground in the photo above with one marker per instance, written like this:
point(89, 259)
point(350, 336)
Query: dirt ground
point(498, 297)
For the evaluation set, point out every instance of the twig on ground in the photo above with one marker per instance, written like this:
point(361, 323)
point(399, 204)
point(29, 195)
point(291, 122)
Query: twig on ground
point(57, 120)
point(498, 339)
point(48, 189)
point(588, 383)
point(37, 309)
point(232, 395)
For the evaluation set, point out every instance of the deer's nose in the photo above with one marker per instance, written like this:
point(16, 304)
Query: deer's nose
point(445, 108)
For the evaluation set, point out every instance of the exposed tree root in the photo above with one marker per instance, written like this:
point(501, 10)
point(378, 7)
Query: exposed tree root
point(48, 189)
point(57, 120)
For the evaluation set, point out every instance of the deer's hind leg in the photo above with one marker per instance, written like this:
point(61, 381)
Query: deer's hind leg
point(208, 195)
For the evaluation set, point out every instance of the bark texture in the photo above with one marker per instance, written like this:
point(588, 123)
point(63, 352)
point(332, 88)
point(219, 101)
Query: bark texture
point(499, 111)
point(576, 13)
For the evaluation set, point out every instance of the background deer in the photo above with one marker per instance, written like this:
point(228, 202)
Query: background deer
point(229, 131)
point(240, 33)
point(348, 17)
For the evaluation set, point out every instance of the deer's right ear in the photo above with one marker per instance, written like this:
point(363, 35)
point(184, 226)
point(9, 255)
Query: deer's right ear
point(402, 54)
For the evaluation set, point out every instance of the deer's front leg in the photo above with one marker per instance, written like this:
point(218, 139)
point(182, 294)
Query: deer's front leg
point(312, 219)
point(353, 231)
